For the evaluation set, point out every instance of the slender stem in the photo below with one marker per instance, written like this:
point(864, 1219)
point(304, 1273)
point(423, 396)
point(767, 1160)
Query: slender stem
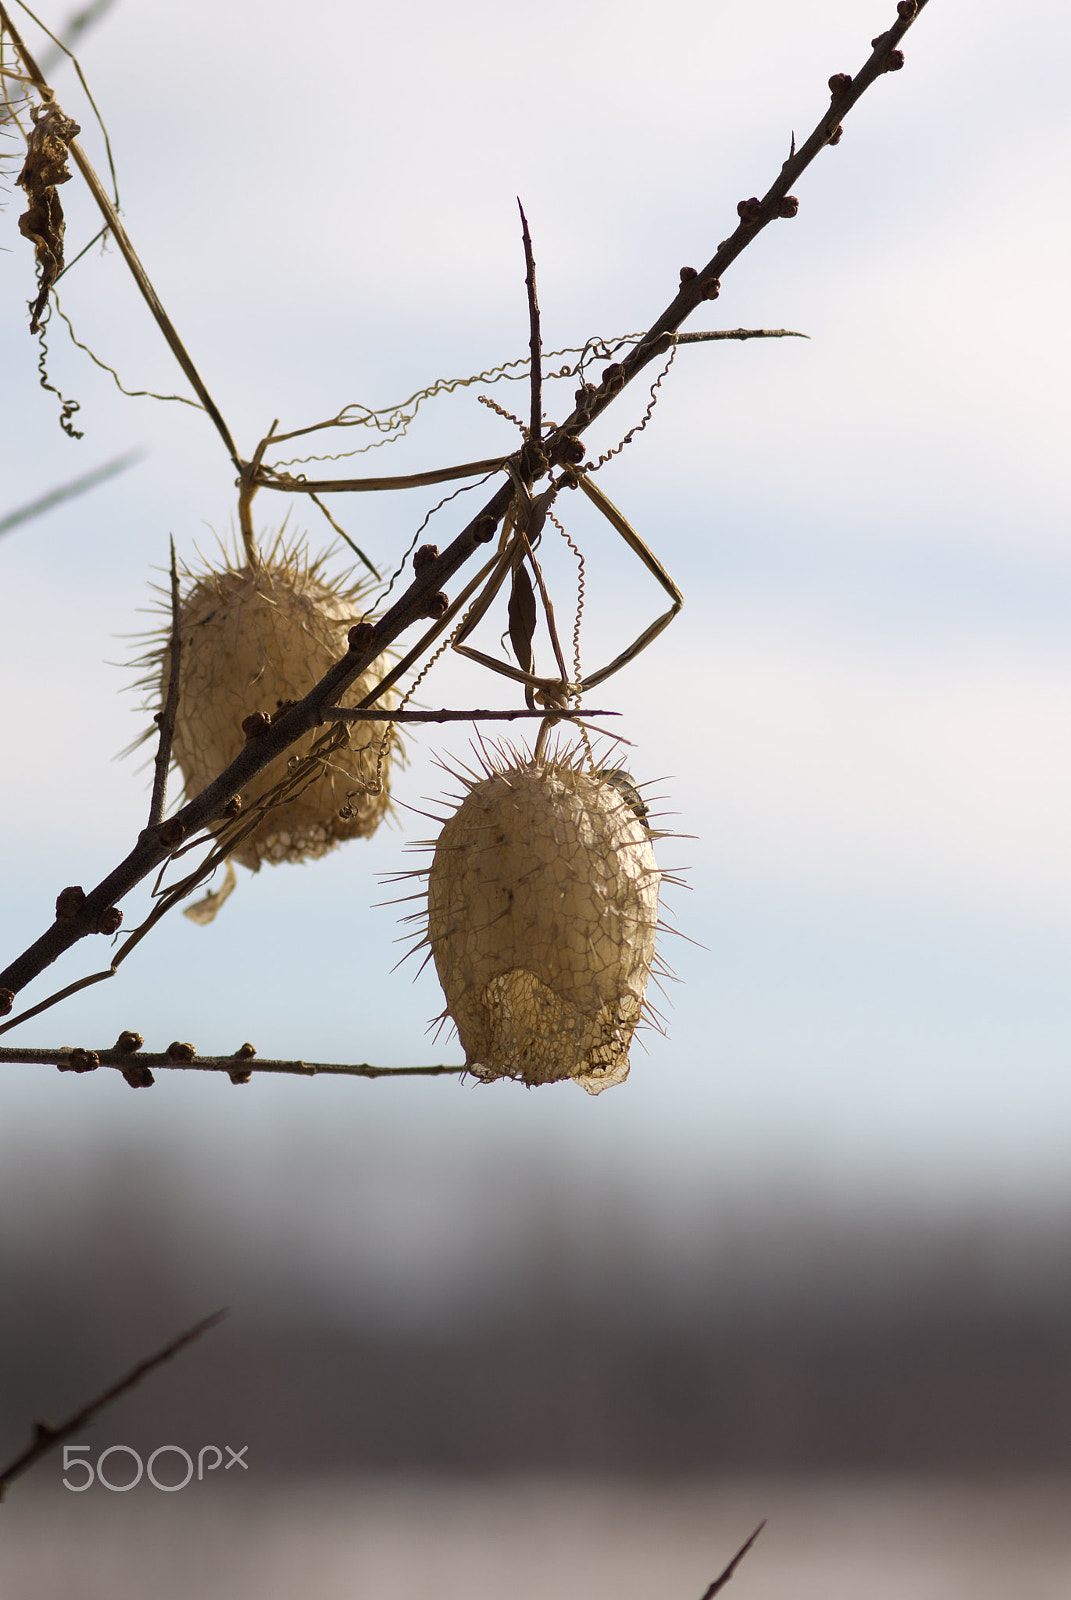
point(535, 343)
point(270, 479)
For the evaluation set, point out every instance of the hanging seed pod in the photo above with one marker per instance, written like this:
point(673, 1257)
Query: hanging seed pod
point(255, 639)
point(542, 909)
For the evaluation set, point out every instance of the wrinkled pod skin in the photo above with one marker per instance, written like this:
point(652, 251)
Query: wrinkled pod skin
point(542, 911)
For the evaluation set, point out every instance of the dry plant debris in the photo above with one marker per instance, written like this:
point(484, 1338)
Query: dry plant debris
point(42, 222)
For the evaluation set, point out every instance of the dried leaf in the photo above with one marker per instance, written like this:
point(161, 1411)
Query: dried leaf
point(522, 617)
point(42, 222)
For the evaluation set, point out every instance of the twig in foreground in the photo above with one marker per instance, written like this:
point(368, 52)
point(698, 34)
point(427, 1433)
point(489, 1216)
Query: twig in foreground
point(135, 1064)
point(719, 1583)
point(46, 1438)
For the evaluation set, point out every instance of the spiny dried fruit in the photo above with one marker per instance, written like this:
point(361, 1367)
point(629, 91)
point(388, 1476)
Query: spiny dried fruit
point(255, 639)
point(542, 911)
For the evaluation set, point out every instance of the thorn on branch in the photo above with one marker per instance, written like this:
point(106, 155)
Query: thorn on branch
point(837, 134)
point(907, 9)
point(179, 1051)
point(109, 921)
point(788, 207)
point(839, 83)
point(69, 902)
point(360, 636)
point(172, 832)
point(233, 808)
point(750, 211)
point(138, 1076)
point(712, 289)
point(256, 724)
point(437, 605)
point(424, 557)
point(894, 61)
point(483, 529)
point(129, 1041)
point(572, 452)
point(7, 1001)
point(81, 1061)
point(239, 1075)
point(688, 274)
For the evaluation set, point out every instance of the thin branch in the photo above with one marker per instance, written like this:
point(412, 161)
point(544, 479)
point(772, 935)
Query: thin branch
point(719, 1583)
point(754, 216)
point(170, 711)
point(111, 217)
point(375, 714)
point(47, 1438)
point(535, 344)
point(68, 491)
point(181, 1058)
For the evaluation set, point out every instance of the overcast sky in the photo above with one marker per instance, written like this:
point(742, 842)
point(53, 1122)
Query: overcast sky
point(860, 720)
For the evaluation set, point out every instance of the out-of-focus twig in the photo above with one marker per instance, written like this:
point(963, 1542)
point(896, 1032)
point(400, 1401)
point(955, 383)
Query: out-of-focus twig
point(68, 491)
point(719, 1583)
point(47, 1438)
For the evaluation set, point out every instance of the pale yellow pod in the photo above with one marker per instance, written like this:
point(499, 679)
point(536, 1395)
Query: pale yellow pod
point(542, 912)
point(255, 639)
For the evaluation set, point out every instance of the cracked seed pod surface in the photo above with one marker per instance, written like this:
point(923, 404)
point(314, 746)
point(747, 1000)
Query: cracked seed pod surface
point(542, 911)
point(253, 639)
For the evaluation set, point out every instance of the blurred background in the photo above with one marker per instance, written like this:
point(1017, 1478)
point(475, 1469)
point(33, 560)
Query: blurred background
point(812, 1261)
